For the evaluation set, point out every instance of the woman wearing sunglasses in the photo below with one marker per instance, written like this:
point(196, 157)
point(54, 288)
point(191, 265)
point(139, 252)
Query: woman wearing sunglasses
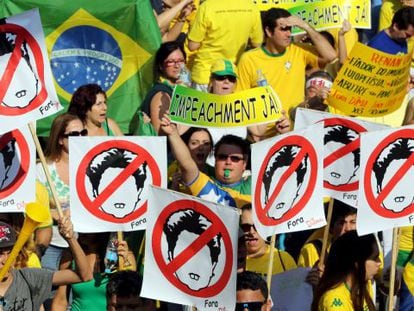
point(167, 65)
point(89, 104)
point(57, 157)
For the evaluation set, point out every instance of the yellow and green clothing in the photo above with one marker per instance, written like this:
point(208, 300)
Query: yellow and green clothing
point(223, 28)
point(282, 261)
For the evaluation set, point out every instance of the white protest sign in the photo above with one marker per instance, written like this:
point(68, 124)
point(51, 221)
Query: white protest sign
point(290, 292)
point(17, 170)
point(287, 182)
point(386, 192)
point(341, 149)
point(27, 92)
point(190, 251)
point(110, 178)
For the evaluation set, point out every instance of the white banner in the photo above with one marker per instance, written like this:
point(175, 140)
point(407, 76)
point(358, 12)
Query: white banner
point(190, 251)
point(341, 151)
point(27, 92)
point(110, 178)
point(17, 170)
point(287, 182)
point(386, 192)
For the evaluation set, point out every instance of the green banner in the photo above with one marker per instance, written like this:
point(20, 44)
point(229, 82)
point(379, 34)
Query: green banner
point(106, 42)
point(249, 107)
point(324, 14)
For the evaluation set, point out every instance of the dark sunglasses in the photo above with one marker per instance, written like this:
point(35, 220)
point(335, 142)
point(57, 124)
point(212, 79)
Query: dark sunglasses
point(247, 227)
point(232, 79)
point(224, 157)
point(250, 306)
point(84, 132)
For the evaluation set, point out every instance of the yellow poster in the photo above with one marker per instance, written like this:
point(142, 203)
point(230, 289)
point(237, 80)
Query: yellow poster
point(370, 83)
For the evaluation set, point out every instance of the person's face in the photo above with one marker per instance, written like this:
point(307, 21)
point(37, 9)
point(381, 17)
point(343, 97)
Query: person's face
point(402, 34)
point(372, 267)
point(344, 170)
point(281, 36)
point(75, 125)
point(23, 87)
point(343, 225)
point(200, 147)
point(255, 245)
point(118, 204)
point(132, 303)
point(253, 299)
point(229, 158)
point(285, 199)
point(223, 85)
point(97, 113)
point(402, 195)
point(172, 64)
point(197, 272)
point(4, 255)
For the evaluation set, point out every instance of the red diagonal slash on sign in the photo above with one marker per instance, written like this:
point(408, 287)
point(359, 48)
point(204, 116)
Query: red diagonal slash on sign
point(169, 269)
point(374, 201)
point(23, 148)
point(93, 205)
point(306, 148)
point(22, 35)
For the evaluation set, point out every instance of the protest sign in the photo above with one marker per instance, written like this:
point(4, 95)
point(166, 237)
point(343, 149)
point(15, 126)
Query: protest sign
point(190, 251)
point(341, 150)
point(287, 181)
point(386, 193)
point(253, 106)
point(17, 170)
point(110, 178)
point(323, 14)
point(27, 93)
point(371, 83)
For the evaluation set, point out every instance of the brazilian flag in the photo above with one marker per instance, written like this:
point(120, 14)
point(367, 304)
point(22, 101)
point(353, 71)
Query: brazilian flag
point(107, 42)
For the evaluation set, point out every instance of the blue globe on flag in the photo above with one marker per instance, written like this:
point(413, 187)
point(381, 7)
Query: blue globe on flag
point(85, 54)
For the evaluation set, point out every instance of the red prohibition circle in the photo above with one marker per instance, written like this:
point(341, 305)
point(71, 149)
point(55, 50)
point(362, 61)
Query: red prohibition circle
point(22, 35)
point(24, 161)
point(307, 148)
point(88, 203)
point(166, 269)
point(348, 148)
point(372, 199)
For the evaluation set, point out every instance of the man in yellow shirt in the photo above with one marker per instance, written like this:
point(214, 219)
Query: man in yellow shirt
point(221, 30)
point(258, 250)
point(281, 62)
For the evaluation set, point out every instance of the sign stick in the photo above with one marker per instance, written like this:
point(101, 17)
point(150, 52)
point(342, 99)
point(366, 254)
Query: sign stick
point(46, 170)
point(395, 235)
point(120, 237)
point(270, 263)
point(326, 234)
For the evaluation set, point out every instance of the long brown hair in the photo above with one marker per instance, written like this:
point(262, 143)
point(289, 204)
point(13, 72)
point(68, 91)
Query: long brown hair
point(347, 257)
point(53, 149)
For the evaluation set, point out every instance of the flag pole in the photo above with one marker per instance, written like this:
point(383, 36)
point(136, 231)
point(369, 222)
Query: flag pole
point(45, 169)
point(270, 263)
point(326, 234)
point(395, 235)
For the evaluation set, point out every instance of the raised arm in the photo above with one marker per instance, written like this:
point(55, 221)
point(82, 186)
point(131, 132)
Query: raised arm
point(188, 166)
point(325, 50)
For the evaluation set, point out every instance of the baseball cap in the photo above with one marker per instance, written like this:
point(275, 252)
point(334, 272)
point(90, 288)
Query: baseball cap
point(7, 235)
point(224, 67)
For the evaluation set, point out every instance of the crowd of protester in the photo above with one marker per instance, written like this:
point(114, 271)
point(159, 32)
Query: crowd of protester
point(238, 49)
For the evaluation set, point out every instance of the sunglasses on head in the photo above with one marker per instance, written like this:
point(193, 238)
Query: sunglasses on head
point(84, 132)
point(247, 227)
point(232, 79)
point(233, 158)
point(249, 306)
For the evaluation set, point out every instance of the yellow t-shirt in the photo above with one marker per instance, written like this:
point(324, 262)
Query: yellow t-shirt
point(223, 28)
point(284, 72)
point(338, 298)
point(259, 265)
point(33, 261)
point(388, 8)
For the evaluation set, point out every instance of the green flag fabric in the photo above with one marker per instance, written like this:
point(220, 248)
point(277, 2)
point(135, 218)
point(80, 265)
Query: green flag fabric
point(110, 43)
